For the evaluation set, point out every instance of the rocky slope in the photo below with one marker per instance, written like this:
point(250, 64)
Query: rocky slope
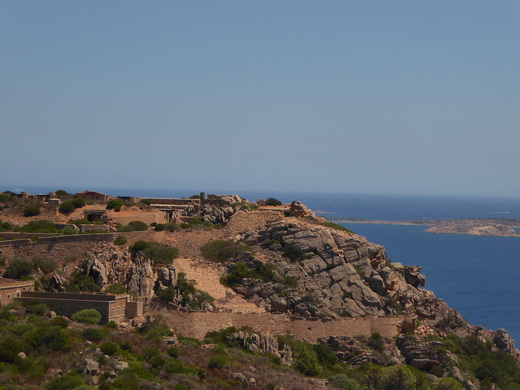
point(297, 264)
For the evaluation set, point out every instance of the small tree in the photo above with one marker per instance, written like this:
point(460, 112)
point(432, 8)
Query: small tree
point(273, 202)
point(87, 316)
point(31, 210)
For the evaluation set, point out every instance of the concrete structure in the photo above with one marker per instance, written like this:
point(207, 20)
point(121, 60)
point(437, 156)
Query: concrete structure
point(11, 289)
point(112, 307)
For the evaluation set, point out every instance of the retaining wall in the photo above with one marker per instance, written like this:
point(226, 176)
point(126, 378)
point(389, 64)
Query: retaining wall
point(198, 324)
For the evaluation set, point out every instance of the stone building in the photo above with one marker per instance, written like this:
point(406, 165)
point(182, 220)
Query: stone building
point(10, 289)
point(112, 307)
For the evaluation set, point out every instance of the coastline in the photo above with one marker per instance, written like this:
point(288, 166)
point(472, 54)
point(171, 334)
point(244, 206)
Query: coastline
point(497, 227)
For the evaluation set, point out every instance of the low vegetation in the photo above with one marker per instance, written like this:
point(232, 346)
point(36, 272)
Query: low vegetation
point(337, 227)
point(69, 206)
point(273, 202)
point(224, 250)
point(117, 204)
point(158, 253)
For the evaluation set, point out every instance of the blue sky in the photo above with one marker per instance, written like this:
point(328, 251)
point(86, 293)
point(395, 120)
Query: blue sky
point(408, 97)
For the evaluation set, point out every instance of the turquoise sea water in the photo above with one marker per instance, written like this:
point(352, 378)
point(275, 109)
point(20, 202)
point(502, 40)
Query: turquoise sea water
point(479, 276)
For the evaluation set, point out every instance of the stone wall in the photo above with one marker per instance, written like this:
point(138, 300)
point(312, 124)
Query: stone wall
point(197, 324)
point(58, 247)
point(253, 220)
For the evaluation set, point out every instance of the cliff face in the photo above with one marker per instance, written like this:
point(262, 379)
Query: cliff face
point(339, 274)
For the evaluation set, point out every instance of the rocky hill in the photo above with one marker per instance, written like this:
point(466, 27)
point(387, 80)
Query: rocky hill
point(283, 268)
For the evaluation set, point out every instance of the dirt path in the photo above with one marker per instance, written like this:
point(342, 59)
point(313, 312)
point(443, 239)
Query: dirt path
point(207, 275)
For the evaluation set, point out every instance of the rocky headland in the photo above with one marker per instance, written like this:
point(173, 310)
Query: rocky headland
point(505, 227)
point(279, 281)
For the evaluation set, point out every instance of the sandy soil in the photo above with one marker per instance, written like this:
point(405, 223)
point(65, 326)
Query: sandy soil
point(207, 275)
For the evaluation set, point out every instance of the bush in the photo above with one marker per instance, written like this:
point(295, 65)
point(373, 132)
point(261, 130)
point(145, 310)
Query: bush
point(376, 341)
point(22, 328)
point(398, 378)
point(223, 250)
point(218, 362)
point(94, 334)
point(133, 226)
point(109, 348)
point(81, 221)
point(61, 192)
point(65, 382)
point(120, 240)
point(48, 338)
point(41, 226)
point(82, 282)
point(170, 227)
point(78, 202)
point(44, 265)
point(87, 316)
point(67, 207)
point(116, 288)
point(341, 381)
point(446, 384)
point(60, 321)
point(273, 202)
point(199, 224)
point(158, 253)
point(31, 210)
point(173, 352)
point(116, 204)
point(19, 268)
point(9, 349)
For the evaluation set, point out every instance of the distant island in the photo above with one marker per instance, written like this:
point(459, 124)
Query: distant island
point(504, 227)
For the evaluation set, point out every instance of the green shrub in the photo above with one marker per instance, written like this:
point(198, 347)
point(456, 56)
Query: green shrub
point(117, 204)
point(22, 328)
point(78, 202)
point(61, 193)
point(44, 265)
point(67, 207)
point(174, 366)
point(376, 341)
point(342, 381)
point(82, 282)
point(112, 324)
point(94, 334)
point(273, 202)
point(170, 227)
point(218, 362)
point(65, 382)
point(223, 250)
point(120, 240)
point(133, 226)
point(31, 210)
point(158, 253)
point(60, 321)
point(116, 288)
point(9, 348)
point(48, 338)
point(398, 378)
point(173, 352)
point(446, 384)
point(81, 221)
point(19, 268)
point(337, 226)
point(41, 226)
point(199, 224)
point(87, 316)
point(109, 348)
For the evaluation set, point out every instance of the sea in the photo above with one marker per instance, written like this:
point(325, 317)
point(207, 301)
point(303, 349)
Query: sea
point(478, 276)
